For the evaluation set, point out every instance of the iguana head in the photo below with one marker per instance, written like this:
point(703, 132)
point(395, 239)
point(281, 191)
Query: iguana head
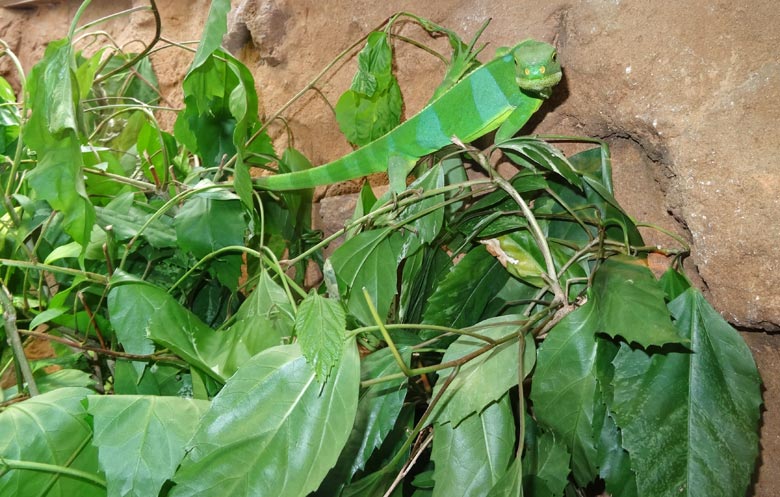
point(538, 69)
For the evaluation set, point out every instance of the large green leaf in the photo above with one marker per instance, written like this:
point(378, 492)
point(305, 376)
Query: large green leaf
point(52, 428)
point(461, 296)
point(208, 222)
point(473, 455)
point(140, 439)
point(631, 303)
point(530, 152)
point(130, 311)
point(126, 219)
point(368, 260)
point(320, 326)
point(141, 312)
point(52, 132)
point(423, 227)
point(378, 412)
point(565, 391)
point(486, 378)
point(690, 419)
point(273, 429)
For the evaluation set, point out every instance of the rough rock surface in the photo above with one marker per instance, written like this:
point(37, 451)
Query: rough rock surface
point(687, 93)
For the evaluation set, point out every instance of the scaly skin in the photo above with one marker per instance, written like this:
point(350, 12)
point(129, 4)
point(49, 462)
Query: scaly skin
point(503, 93)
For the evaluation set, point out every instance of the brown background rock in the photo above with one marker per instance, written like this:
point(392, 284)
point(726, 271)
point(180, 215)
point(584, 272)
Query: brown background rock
point(687, 94)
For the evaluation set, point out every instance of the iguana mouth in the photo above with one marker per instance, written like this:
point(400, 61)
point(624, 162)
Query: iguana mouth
point(539, 83)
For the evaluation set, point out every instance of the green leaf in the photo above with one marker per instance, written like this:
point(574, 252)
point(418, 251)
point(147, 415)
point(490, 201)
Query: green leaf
point(421, 272)
point(131, 311)
point(52, 132)
point(272, 430)
point(594, 164)
point(614, 461)
point(205, 224)
point(674, 284)
point(52, 428)
point(545, 466)
point(461, 296)
point(520, 255)
point(9, 118)
point(630, 303)
point(368, 260)
point(155, 148)
point(265, 319)
point(565, 390)
point(372, 106)
point(372, 485)
point(423, 229)
point(63, 378)
point(46, 316)
point(141, 312)
point(530, 152)
point(126, 220)
point(220, 112)
point(216, 27)
point(473, 455)
point(320, 326)
point(140, 439)
point(138, 82)
point(510, 484)
point(486, 378)
point(375, 65)
point(156, 379)
point(379, 406)
point(85, 73)
point(690, 419)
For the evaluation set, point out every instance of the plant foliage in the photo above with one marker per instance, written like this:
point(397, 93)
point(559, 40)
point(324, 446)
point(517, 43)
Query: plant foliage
point(471, 337)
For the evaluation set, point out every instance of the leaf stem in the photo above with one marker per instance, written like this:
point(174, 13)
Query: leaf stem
point(52, 468)
point(391, 206)
point(550, 276)
point(428, 327)
point(91, 277)
point(393, 349)
point(98, 350)
point(144, 52)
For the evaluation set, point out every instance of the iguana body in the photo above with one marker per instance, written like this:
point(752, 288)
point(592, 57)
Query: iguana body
point(488, 97)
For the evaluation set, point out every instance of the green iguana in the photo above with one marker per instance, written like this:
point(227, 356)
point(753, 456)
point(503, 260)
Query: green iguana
point(503, 93)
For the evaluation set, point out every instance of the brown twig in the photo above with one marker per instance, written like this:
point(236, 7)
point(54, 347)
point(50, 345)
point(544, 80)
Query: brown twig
point(99, 350)
point(144, 52)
